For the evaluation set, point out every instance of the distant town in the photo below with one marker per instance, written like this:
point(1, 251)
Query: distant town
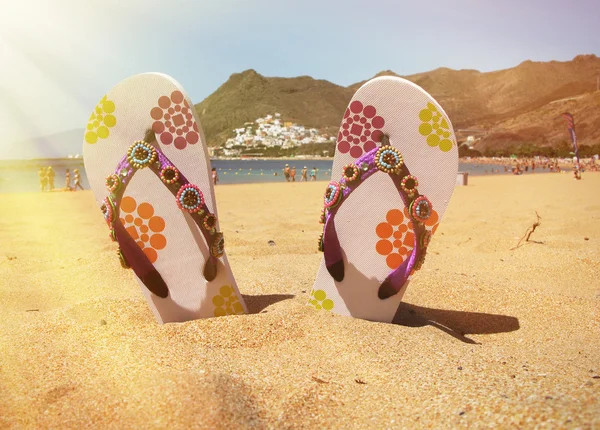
point(271, 136)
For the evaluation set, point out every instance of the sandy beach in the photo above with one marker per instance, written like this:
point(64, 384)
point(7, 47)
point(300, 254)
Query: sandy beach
point(487, 337)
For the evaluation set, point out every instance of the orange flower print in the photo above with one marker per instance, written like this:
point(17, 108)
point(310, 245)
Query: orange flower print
point(397, 236)
point(143, 226)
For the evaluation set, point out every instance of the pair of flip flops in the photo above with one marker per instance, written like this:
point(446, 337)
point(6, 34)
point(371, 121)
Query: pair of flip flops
point(392, 178)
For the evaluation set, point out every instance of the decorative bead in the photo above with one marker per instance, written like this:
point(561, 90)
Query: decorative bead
point(218, 247)
point(113, 182)
point(351, 173)
point(210, 222)
point(364, 166)
point(333, 194)
point(420, 208)
point(169, 175)
point(141, 154)
point(420, 261)
point(388, 159)
point(323, 216)
point(123, 260)
point(108, 210)
point(124, 172)
point(409, 185)
point(190, 198)
point(321, 242)
point(425, 239)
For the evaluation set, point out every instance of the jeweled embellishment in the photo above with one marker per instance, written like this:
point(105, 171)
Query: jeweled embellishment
point(141, 154)
point(333, 194)
point(169, 175)
point(190, 198)
point(113, 182)
point(421, 208)
point(409, 185)
point(388, 159)
point(218, 247)
point(321, 242)
point(210, 222)
point(323, 216)
point(122, 259)
point(420, 261)
point(425, 239)
point(351, 173)
point(108, 210)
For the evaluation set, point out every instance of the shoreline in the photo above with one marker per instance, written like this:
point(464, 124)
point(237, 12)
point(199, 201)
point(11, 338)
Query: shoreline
point(327, 178)
point(488, 160)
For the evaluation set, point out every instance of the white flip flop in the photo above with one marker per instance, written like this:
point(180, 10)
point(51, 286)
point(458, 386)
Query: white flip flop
point(148, 166)
point(393, 174)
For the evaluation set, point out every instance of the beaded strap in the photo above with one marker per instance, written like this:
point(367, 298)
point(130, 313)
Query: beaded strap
point(188, 196)
point(389, 160)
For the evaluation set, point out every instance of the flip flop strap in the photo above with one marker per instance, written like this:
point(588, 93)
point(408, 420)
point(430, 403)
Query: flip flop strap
point(386, 159)
point(179, 186)
point(162, 163)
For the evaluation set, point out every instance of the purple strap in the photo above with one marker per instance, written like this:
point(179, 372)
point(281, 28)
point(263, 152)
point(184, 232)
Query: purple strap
point(132, 253)
point(331, 246)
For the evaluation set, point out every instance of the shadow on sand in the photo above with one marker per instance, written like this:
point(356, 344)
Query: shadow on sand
point(257, 303)
point(456, 323)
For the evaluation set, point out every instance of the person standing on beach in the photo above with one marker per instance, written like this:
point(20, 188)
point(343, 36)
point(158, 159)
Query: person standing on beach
point(286, 172)
point(51, 174)
point(304, 173)
point(77, 180)
point(68, 181)
point(215, 176)
point(43, 178)
point(313, 174)
point(293, 173)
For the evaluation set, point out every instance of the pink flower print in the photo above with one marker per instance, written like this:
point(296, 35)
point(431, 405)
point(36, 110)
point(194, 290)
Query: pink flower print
point(361, 128)
point(174, 121)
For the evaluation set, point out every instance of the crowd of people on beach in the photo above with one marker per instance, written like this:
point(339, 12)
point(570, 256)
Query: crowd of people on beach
point(520, 166)
point(290, 174)
point(47, 176)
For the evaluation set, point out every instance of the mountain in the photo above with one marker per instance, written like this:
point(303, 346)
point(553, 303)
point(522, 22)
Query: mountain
point(248, 95)
point(544, 126)
point(472, 99)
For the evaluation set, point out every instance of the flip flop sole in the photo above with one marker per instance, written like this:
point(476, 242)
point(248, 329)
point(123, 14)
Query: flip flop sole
point(168, 236)
point(373, 226)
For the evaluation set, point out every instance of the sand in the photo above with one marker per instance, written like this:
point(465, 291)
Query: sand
point(488, 336)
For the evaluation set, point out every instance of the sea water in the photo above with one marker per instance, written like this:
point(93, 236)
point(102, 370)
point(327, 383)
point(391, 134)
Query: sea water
point(22, 175)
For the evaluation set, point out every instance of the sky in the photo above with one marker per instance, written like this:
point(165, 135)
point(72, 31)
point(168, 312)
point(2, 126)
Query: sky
point(59, 57)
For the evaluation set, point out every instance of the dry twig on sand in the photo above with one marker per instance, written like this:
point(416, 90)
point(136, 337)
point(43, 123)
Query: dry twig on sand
point(529, 231)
